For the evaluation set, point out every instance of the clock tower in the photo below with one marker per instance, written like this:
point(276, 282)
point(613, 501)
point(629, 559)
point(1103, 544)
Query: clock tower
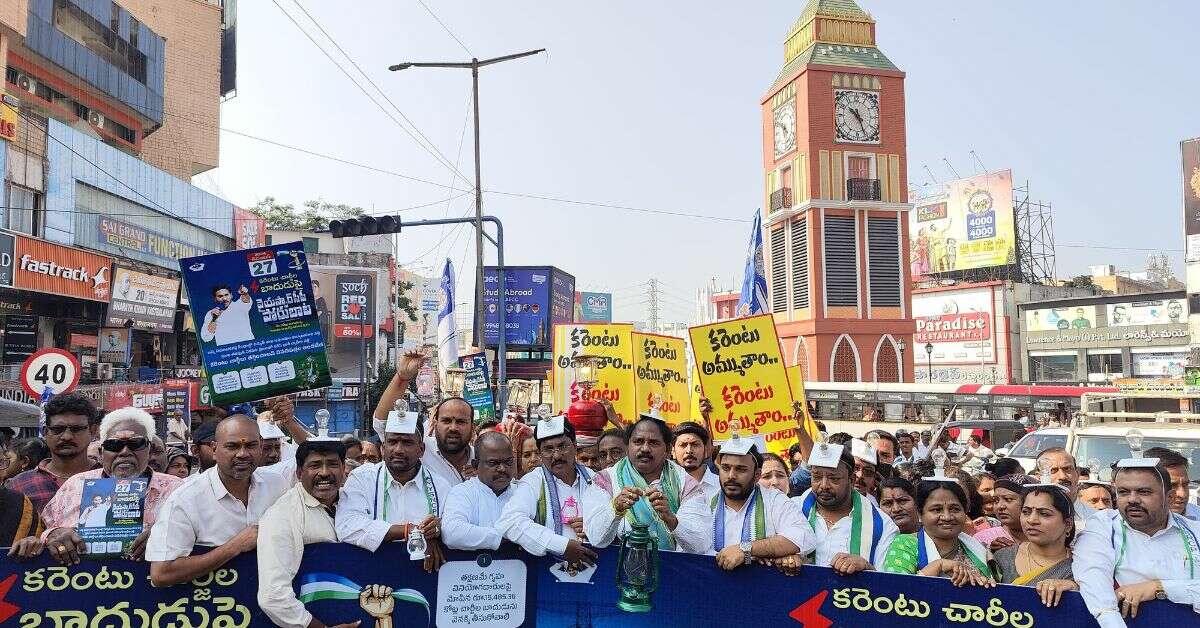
point(835, 213)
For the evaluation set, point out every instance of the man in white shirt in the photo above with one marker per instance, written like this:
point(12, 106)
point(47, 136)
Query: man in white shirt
point(391, 500)
point(545, 514)
point(904, 441)
point(472, 508)
point(1179, 491)
point(754, 522)
point(229, 322)
point(218, 508)
point(691, 450)
point(977, 454)
point(1065, 473)
point(648, 488)
point(1150, 552)
point(834, 510)
point(303, 515)
point(922, 447)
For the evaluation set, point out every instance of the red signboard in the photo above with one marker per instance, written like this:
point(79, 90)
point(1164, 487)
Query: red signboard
point(249, 229)
point(148, 397)
point(42, 266)
point(962, 327)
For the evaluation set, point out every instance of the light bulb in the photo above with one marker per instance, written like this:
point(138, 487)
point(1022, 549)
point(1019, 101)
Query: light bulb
point(401, 406)
point(1135, 438)
point(939, 460)
point(321, 418)
point(1094, 467)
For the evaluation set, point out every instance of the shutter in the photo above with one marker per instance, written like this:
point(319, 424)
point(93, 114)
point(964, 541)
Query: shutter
point(800, 263)
point(778, 270)
point(841, 267)
point(883, 251)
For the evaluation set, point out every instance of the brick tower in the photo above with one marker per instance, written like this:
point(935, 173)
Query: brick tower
point(835, 216)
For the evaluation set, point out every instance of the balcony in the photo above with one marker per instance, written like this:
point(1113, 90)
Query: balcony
point(863, 190)
point(781, 199)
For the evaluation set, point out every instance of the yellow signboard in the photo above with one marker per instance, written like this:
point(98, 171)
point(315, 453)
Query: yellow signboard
point(8, 122)
point(968, 224)
point(743, 374)
point(613, 342)
point(796, 379)
point(660, 369)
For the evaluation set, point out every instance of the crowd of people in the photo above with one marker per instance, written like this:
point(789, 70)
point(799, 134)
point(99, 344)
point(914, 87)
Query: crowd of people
point(896, 503)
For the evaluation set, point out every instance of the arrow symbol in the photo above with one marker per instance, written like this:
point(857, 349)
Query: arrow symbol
point(7, 609)
point(809, 613)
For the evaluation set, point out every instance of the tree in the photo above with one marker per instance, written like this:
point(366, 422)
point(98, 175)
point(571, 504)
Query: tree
point(315, 215)
point(1080, 281)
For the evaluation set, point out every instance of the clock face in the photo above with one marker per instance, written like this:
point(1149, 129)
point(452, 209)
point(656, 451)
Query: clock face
point(785, 129)
point(856, 116)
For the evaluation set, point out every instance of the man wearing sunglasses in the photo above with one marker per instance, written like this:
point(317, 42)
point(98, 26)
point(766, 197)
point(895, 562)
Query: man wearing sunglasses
point(68, 433)
point(125, 436)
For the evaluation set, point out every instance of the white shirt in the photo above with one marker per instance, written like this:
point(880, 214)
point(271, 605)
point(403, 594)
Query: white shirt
point(602, 524)
point(1192, 511)
point(233, 325)
point(920, 451)
point(295, 520)
point(783, 518)
point(1162, 557)
point(469, 518)
point(836, 540)
point(1082, 513)
point(436, 463)
point(518, 521)
point(203, 512)
point(95, 516)
point(710, 485)
point(371, 492)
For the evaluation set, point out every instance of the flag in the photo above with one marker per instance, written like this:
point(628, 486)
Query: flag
point(754, 283)
point(447, 330)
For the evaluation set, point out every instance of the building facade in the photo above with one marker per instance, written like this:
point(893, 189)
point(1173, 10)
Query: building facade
point(835, 211)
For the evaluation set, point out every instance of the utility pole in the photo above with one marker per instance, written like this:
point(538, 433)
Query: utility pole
point(474, 65)
point(653, 285)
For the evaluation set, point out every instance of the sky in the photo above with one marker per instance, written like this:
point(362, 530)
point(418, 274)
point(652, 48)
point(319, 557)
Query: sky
point(655, 106)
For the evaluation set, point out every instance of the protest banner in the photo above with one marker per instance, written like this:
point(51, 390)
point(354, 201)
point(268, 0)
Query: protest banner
point(660, 375)
point(511, 588)
point(613, 343)
point(477, 386)
point(743, 374)
point(110, 514)
point(262, 338)
point(177, 412)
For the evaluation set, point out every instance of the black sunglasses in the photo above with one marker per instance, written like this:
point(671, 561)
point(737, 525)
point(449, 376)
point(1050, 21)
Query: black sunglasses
point(59, 430)
point(115, 445)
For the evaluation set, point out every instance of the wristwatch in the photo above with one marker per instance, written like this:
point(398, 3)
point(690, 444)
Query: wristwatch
point(1160, 593)
point(745, 546)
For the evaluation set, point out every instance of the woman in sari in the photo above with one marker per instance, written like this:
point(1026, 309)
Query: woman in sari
point(1009, 492)
point(940, 548)
point(1042, 561)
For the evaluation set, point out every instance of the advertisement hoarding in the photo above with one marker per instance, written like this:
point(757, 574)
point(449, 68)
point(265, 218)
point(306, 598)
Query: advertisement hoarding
point(42, 266)
point(1156, 312)
point(249, 229)
point(593, 307)
point(1190, 157)
point(147, 300)
point(968, 224)
point(1061, 318)
point(959, 324)
point(354, 316)
point(536, 298)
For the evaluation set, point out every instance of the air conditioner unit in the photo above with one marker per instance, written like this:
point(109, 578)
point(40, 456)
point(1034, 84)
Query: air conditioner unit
point(95, 118)
point(104, 371)
point(27, 83)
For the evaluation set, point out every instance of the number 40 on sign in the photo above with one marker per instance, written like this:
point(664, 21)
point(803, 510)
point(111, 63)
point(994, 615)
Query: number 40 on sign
point(55, 368)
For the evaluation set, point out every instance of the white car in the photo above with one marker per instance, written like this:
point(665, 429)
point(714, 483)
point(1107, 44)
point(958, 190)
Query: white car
point(1033, 443)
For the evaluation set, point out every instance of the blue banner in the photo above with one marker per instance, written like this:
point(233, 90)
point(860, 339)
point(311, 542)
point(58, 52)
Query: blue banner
point(593, 307)
point(256, 322)
point(510, 588)
point(526, 306)
point(477, 386)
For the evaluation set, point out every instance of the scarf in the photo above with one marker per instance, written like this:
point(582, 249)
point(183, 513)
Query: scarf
point(625, 474)
point(865, 532)
point(927, 552)
point(553, 514)
point(754, 509)
point(383, 484)
point(1191, 544)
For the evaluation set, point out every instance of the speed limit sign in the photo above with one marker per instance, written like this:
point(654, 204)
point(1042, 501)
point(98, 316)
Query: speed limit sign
point(55, 368)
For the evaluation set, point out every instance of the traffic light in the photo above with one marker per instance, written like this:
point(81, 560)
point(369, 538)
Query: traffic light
point(367, 225)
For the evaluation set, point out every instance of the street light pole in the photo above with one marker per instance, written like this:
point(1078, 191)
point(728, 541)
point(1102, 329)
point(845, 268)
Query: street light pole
point(929, 360)
point(475, 64)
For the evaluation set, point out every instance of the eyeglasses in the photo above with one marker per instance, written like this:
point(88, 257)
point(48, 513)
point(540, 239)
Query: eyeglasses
point(115, 445)
point(59, 430)
point(500, 464)
point(552, 450)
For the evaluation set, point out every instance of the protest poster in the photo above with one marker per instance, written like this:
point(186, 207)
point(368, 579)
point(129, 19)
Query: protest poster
point(177, 411)
point(477, 386)
point(113, 345)
point(660, 376)
point(261, 338)
point(742, 373)
point(110, 514)
point(613, 344)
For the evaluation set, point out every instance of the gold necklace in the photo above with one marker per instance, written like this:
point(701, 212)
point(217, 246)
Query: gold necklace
point(1031, 559)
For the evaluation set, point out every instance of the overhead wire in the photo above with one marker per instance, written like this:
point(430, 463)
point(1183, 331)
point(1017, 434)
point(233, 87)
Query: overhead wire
point(445, 28)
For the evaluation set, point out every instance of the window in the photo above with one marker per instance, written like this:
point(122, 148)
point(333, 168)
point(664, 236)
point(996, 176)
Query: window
point(841, 261)
point(778, 271)
point(311, 244)
point(883, 255)
point(1035, 443)
point(800, 263)
point(1054, 368)
point(1104, 366)
point(22, 213)
point(1106, 450)
point(100, 38)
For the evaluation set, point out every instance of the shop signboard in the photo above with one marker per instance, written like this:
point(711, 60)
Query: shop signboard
point(958, 323)
point(249, 229)
point(1152, 312)
point(148, 397)
point(50, 268)
point(355, 303)
point(147, 300)
point(123, 235)
point(256, 322)
point(593, 307)
point(1061, 318)
point(536, 298)
point(20, 337)
point(969, 224)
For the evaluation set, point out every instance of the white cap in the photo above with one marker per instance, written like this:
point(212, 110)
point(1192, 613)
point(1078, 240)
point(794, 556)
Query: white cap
point(551, 427)
point(825, 455)
point(397, 424)
point(863, 451)
point(737, 446)
point(1137, 463)
point(269, 431)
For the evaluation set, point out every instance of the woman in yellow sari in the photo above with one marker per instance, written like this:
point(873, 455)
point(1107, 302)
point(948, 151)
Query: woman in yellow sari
point(1043, 560)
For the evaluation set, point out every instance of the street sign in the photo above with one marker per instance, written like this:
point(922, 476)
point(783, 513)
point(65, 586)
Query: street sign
point(55, 368)
point(334, 392)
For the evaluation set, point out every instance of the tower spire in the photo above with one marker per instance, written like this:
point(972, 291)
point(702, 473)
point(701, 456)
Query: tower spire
point(829, 21)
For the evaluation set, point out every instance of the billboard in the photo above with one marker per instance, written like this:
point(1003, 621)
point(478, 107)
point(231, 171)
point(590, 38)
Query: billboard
point(968, 224)
point(1061, 318)
point(41, 266)
point(1190, 153)
point(147, 300)
point(249, 229)
point(958, 323)
point(355, 303)
point(1156, 312)
point(536, 297)
point(593, 307)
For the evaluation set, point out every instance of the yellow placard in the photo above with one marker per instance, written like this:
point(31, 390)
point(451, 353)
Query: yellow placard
point(9, 119)
point(615, 374)
point(660, 368)
point(742, 373)
point(697, 394)
point(796, 379)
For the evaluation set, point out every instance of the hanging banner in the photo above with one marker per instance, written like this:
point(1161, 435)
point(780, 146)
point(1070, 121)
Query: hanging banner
point(148, 301)
point(613, 342)
point(256, 323)
point(477, 386)
point(742, 374)
point(660, 376)
point(177, 410)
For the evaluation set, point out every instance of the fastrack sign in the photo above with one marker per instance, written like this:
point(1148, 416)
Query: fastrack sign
point(41, 266)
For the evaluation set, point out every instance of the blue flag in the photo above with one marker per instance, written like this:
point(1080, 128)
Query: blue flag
point(447, 331)
point(754, 283)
